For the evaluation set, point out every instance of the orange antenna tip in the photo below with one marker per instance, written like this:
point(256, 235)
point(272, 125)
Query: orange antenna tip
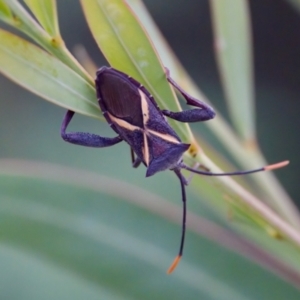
point(174, 264)
point(277, 166)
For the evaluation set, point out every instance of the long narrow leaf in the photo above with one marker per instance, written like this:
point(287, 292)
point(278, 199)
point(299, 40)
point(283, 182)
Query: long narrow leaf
point(126, 46)
point(53, 44)
point(234, 55)
point(44, 75)
point(43, 214)
point(5, 12)
point(46, 13)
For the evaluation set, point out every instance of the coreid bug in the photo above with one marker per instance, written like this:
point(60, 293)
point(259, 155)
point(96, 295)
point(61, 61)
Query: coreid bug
point(133, 114)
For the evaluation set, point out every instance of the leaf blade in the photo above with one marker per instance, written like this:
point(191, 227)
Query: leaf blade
point(5, 12)
point(46, 13)
point(49, 219)
point(127, 47)
point(234, 56)
point(44, 75)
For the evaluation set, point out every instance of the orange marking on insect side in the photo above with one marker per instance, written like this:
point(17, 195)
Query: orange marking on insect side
point(165, 137)
point(193, 150)
point(123, 123)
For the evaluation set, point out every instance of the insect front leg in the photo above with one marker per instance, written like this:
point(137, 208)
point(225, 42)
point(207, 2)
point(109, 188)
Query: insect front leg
point(83, 138)
point(203, 113)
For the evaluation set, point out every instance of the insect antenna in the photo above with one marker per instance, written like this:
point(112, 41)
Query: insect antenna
point(266, 168)
point(183, 182)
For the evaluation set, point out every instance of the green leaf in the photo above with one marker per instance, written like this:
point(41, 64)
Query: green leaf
point(24, 22)
point(274, 193)
point(46, 13)
point(231, 20)
point(99, 238)
point(44, 75)
point(234, 55)
point(127, 47)
point(5, 12)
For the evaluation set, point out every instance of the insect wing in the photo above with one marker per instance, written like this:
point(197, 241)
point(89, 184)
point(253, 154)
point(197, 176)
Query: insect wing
point(119, 96)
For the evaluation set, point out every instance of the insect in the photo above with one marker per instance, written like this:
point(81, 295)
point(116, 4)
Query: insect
point(133, 114)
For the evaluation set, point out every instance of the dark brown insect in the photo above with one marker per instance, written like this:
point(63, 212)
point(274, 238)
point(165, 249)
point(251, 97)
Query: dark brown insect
point(133, 114)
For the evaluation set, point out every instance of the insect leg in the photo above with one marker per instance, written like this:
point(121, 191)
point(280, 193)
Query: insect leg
point(85, 139)
point(136, 161)
point(194, 115)
point(196, 166)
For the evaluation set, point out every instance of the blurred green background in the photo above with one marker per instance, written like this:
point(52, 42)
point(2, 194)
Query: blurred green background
point(30, 130)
